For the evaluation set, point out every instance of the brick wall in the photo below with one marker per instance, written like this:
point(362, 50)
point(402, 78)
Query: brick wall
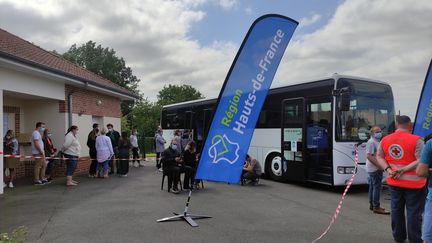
point(26, 168)
point(87, 102)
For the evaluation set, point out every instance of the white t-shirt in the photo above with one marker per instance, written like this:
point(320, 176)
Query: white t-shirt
point(371, 148)
point(36, 137)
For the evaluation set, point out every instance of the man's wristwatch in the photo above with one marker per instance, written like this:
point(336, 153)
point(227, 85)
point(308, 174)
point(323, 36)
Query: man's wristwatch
point(388, 167)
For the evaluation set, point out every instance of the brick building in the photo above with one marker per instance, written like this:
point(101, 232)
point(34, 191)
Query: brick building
point(37, 85)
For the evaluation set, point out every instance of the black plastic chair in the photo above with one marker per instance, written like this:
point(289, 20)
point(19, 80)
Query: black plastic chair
point(163, 180)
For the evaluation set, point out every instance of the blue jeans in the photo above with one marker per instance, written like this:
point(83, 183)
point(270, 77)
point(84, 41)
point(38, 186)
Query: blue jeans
point(427, 222)
point(375, 181)
point(103, 167)
point(413, 200)
point(71, 164)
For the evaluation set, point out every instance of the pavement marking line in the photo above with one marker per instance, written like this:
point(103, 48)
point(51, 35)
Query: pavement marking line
point(339, 207)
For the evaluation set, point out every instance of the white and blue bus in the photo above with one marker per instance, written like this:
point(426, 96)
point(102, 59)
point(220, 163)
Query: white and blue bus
point(306, 131)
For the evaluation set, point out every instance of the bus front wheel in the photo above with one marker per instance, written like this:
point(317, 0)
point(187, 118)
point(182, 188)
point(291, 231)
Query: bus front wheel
point(274, 166)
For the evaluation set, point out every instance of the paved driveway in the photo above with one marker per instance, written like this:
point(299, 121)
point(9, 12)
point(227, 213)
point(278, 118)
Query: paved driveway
point(126, 209)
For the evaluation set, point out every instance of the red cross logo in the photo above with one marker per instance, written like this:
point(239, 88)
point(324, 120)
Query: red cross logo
point(396, 151)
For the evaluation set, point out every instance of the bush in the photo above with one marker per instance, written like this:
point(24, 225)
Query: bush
point(18, 235)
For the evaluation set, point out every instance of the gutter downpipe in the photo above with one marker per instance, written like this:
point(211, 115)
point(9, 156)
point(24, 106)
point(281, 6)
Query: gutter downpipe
point(69, 97)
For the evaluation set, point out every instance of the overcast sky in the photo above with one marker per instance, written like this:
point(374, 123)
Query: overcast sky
point(194, 41)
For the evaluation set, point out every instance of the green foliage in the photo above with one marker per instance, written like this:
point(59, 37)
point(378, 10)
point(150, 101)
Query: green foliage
point(18, 235)
point(177, 93)
point(146, 115)
point(105, 63)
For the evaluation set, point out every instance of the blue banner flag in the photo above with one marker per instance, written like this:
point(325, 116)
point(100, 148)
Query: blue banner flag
point(423, 119)
point(242, 97)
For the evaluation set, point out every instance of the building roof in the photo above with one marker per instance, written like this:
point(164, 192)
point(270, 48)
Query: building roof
point(19, 50)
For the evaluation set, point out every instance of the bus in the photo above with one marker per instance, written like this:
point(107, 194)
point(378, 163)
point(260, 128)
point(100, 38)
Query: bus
point(306, 132)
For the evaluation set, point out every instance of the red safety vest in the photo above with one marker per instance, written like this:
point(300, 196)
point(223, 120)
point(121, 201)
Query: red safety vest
point(399, 149)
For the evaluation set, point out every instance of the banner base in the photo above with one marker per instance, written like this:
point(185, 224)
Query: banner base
point(189, 218)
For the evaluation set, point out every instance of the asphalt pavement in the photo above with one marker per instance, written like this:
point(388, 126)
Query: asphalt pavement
point(126, 210)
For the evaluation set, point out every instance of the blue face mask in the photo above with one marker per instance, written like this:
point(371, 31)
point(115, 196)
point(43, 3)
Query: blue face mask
point(378, 135)
point(174, 146)
point(42, 129)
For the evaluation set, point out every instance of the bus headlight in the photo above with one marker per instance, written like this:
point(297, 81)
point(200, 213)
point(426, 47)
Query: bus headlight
point(345, 170)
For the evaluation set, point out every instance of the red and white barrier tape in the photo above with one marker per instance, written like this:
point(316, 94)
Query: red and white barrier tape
point(339, 207)
point(57, 158)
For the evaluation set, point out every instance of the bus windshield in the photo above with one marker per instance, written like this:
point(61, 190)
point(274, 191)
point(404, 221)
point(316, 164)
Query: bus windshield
point(370, 104)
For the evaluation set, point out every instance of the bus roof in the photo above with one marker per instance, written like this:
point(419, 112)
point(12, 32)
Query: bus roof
point(335, 76)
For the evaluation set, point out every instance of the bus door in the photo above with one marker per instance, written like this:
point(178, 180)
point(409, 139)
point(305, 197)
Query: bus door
point(189, 122)
point(293, 136)
point(318, 152)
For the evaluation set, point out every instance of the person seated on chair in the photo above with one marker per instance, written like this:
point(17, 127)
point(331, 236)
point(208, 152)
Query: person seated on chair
point(190, 160)
point(170, 160)
point(251, 170)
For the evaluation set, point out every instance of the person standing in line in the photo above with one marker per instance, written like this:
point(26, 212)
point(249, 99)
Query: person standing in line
point(49, 152)
point(375, 173)
point(135, 149)
point(124, 148)
point(423, 171)
point(11, 147)
point(91, 144)
point(71, 149)
point(104, 151)
point(177, 138)
point(114, 136)
point(399, 154)
point(160, 147)
point(185, 139)
point(37, 148)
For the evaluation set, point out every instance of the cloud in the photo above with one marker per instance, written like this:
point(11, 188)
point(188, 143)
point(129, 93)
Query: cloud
point(249, 11)
point(227, 4)
point(151, 35)
point(382, 39)
point(309, 21)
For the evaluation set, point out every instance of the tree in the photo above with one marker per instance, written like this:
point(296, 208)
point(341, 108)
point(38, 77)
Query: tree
point(145, 117)
point(177, 93)
point(105, 63)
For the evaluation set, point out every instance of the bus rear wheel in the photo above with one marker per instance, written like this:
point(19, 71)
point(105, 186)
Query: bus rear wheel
point(274, 166)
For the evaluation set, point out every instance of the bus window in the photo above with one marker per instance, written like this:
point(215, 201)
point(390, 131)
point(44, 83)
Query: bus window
point(318, 126)
point(371, 104)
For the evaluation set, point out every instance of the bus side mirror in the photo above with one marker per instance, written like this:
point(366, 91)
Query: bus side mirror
point(345, 101)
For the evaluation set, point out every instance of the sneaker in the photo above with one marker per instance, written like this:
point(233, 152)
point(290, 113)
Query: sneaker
point(141, 163)
point(380, 211)
point(175, 191)
point(130, 164)
point(4, 185)
point(136, 165)
point(160, 170)
point(45, 181)
point(11, 185)
point(50, 179)
point(124, 175)
point(38, 183)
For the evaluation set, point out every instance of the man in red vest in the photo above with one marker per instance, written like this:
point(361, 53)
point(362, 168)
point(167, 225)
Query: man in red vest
point(399, 154)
